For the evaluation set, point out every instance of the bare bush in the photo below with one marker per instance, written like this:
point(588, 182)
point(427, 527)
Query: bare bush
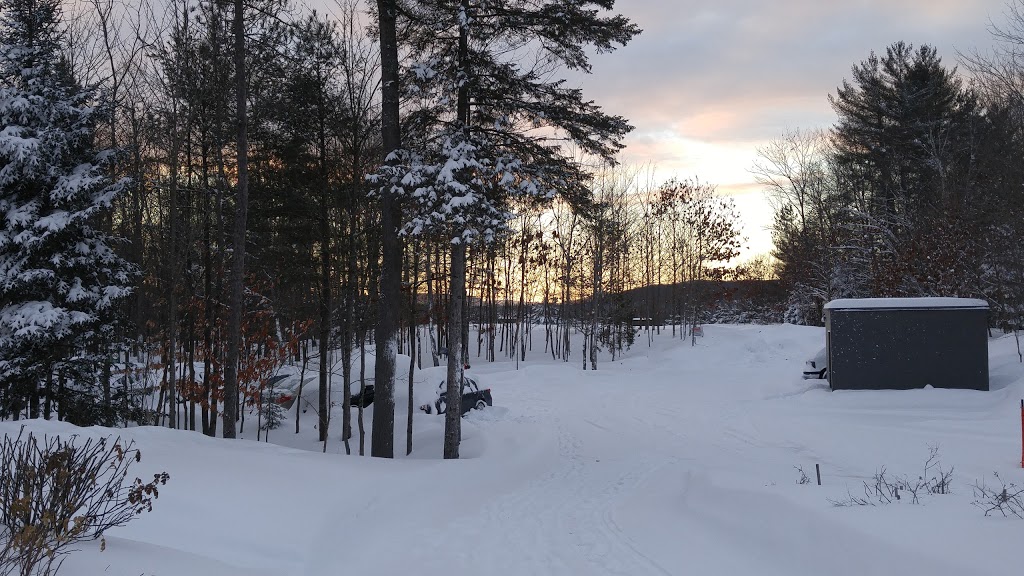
point(882, 489)
point(885, 488)
point(1007, 499)
point(852, 500)
point(940, 483)
point(804, 478)
point(56, 493)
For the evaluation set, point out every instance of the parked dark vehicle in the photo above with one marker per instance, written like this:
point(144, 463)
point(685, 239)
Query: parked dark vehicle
point(364, 399)
point(472, 397)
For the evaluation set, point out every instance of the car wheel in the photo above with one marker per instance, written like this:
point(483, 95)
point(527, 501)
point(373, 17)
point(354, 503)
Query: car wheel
point(480, 405)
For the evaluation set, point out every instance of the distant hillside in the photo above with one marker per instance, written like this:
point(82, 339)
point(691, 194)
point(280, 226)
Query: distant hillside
point(718, 302)
point(733, 301)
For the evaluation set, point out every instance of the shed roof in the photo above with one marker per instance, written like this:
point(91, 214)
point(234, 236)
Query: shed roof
point(904, 303)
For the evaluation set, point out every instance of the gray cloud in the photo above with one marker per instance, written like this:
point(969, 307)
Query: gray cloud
point(745, 70)
point(709, 82)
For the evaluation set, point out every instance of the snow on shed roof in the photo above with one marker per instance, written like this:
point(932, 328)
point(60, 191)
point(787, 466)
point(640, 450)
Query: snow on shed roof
point(904, 303)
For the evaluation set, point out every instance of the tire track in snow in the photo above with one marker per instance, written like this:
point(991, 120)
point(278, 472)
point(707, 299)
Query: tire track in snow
point(619, 535)
point(562, 522)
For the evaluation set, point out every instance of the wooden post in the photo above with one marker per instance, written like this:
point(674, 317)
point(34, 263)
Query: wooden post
point(817, 470)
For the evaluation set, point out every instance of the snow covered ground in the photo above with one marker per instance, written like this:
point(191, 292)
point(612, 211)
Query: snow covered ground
point(672, 460)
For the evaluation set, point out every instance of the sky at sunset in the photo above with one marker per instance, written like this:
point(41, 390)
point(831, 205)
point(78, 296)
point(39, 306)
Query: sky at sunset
point(708, 82)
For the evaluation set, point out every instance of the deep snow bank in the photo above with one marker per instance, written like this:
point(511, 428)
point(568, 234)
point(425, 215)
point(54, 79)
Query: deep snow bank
point(672, 460)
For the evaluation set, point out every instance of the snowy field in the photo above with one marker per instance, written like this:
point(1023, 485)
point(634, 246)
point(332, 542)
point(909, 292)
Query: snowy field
point(673, 460)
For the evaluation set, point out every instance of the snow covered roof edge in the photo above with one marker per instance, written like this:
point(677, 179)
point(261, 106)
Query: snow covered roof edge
point(904, 303)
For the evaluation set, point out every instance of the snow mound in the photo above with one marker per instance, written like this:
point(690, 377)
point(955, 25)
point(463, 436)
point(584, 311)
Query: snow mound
point(674, 459)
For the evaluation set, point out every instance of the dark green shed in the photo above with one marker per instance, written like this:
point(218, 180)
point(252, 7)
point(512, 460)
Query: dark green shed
point(906, 343)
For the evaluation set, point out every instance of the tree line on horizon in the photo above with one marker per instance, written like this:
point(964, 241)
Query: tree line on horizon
point(916, 190)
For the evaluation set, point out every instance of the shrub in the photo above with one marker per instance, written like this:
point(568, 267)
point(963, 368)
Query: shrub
point(886, 488)
point(804, 478)
point(1007, 499)
point(56, 493)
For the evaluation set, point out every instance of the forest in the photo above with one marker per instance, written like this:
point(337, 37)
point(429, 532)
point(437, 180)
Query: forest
point(196, 192)
point(917, 190)
point(199, 191)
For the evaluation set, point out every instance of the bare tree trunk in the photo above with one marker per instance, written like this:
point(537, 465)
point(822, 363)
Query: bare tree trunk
point(172, 275)
point(481, 292)
point(521, 305)
point(105, 379)
point(383, 440)
point(492, 312)
point(362, 392)
point(158, 421)
point(215, 410)
point(412, 350)
point(596, 299)
point(33, 402)
point(430, 312)
point(348, 329)
point(325, 326)
point(237, 296)
point(464, 356)
point(453, 416)
point(457, 288)
point(191, 379)
point(48, 402)
point(207, 305)
point(302, 381)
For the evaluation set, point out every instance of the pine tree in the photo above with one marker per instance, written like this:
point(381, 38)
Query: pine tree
point(903, 124)
point(494, 123)
point(905, 144)
point(59, 276)
point(271, 412)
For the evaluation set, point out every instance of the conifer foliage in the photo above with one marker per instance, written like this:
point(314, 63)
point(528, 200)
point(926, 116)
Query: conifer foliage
point(491, 127)
point(916, 190)
point(59, 276)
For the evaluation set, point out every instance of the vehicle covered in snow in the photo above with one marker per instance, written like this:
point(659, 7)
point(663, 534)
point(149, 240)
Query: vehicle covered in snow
point(473, 397)
point(817, 367)
point(281, 389)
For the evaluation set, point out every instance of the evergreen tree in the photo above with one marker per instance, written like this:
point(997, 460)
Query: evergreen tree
point(493, 125)
point(906, 142)
point(59, 277)
point(271, 412)
point(915, 193)
point(904, 124)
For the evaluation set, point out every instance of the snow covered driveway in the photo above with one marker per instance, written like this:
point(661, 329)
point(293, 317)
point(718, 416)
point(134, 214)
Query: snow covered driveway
point(681, 460)
point(674, 460)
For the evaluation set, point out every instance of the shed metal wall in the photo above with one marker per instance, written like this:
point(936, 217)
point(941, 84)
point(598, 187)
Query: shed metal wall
point(902, 349)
